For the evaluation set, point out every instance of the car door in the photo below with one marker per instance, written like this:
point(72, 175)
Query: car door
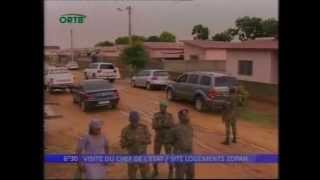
point(191, 86)
point(137, 79)
point(145, 78)
point(179, 85)
point(90, 69)
point(205, 83)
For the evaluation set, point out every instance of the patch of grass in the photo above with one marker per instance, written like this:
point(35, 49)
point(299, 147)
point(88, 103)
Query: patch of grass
point(262, 118)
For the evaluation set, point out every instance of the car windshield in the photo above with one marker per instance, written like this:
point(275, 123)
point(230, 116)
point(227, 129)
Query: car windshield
point(96, 85)
point(226, 81)
point(160, 73)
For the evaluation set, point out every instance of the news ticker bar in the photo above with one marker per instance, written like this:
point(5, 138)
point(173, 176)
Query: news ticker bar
point(119, 158)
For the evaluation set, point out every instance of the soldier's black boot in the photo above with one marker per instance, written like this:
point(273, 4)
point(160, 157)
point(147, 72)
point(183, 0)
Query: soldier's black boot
point(234, 140)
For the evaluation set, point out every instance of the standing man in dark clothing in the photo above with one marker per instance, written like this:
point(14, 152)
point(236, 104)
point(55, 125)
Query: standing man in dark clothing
point(162, 123)
point(182, 136)
point(135, 138)
point(230, 115)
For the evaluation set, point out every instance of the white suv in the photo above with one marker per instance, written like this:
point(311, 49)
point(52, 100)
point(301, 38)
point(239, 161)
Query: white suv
point(102, 71)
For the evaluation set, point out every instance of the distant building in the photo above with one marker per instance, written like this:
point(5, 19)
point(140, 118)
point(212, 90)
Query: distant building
point(253, 60)
point(164, 50)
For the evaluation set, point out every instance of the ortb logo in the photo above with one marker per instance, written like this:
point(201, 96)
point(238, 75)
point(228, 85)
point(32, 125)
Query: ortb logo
point(72, 19)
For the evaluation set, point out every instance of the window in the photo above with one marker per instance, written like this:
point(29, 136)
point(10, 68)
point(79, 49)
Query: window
point(226, 81)
point(96, 85)
point(93, 66)
point(193, 79)
point(245, 67)
point(146, 73)
point(205, 81)
point(182, 78)
point(194, 57)
point(106, 66)
point(160, 73)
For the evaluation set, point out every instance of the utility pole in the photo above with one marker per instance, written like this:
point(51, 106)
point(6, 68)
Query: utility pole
point(71, 44)
point(129, 31)
point(129, 8)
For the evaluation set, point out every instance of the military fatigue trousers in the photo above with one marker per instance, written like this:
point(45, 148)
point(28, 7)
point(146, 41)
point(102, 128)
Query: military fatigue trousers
point(157, 149)
point(184, 171)
point(231, 124)
point(133, 169)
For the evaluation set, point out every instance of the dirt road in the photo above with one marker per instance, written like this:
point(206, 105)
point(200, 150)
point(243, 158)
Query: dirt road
point(62, 134)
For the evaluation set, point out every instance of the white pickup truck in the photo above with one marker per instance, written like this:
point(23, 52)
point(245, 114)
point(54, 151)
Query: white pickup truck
point(58, 78)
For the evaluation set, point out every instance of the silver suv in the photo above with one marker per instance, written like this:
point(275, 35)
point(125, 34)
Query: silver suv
point(150, 78)
point(204, 89)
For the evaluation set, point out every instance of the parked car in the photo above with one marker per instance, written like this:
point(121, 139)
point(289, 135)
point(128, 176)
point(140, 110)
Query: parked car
point(102, 71)
point(204, 89)
point(58, 78)
point(150, 78)
point(72, 65)
point(95, 93)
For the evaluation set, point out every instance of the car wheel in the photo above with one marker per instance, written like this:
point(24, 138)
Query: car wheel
point(133, 84)
point(148, 86)
point(170, 95)
point(111, 80)
point(84, 106)
point(199, 104)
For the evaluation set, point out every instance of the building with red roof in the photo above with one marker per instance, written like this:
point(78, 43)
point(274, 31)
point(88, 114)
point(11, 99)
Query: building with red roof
point(253, 60)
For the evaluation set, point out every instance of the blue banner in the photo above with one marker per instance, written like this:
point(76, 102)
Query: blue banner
point(118, 158)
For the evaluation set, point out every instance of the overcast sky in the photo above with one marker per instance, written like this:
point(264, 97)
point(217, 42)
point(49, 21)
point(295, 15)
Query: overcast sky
point(105, 22)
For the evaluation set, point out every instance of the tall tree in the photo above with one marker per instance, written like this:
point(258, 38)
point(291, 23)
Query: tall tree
point(223, 36)
point(249, 27)
point(103, 43)
point(136, 38)
point(125, 39)
point(167, 37)
point(122, 40)
point(135, 56)
point(200, 32)
point(226, 35)
point(153, 39)
point(270, 27)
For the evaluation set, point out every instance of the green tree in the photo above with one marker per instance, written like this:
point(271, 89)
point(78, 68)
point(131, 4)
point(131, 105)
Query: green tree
point(167, 37)
point(135, 57)
point(125, 39)
point(270, 27)
point(223, 36)
point(200, 32)
point(122, 40)
point(249, 27)
point(103, 43)
point(153, 39)
point(136, 38)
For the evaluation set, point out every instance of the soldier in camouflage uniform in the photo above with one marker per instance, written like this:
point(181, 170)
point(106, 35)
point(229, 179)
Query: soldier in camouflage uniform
point(182, 136)
point(162, 123)
point(230, 116)
point(135, 138)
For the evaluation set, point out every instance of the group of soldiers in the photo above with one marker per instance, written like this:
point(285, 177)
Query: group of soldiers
point(175, 138)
